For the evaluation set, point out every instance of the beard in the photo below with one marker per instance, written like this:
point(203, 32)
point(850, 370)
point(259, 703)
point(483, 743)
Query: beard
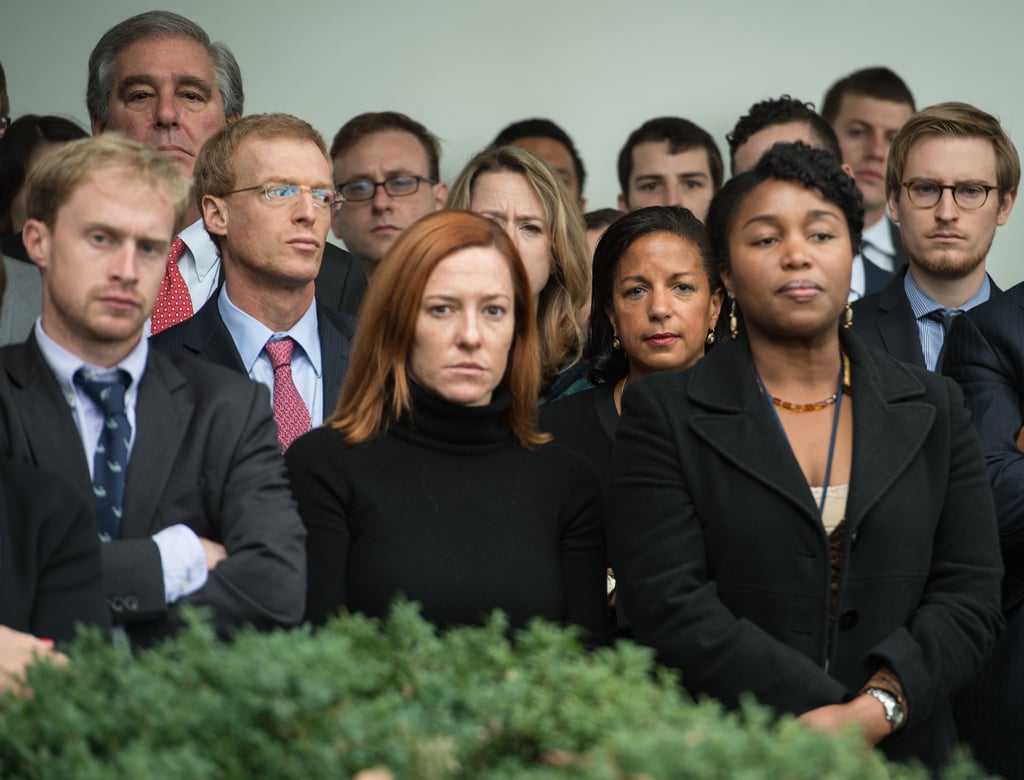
point(951, 265)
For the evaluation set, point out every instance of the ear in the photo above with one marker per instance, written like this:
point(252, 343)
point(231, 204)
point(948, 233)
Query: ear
point(848, 170)
point(623, 203)
point(1005, 207)
point(583, 205)
point(440, 195)
point(726, 275)
point(96, 125)
point(610, 314)
point(232, 119)
point(37, 239)
point(215, 215)
point(893, 200)
point(715, 308)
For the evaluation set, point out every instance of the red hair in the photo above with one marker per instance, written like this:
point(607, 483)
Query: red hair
point(376, 389)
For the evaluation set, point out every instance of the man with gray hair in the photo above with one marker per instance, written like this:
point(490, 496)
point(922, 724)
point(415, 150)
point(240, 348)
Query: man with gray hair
point(158, 78)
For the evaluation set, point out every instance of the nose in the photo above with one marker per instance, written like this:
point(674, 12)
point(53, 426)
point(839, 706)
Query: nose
point(879, 145)
point(946, 209)
point(658, 304)
point(304, 210)
point(124, 264)
point(468, 332)
point(794, 253)
point(166, 110)
point(381, 199)
point(673, 194)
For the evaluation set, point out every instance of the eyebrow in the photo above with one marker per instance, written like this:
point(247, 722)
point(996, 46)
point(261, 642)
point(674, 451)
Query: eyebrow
point(642, 278)
point(503, 215)
point(775, 218)
point(458, 299)
point(183, 80)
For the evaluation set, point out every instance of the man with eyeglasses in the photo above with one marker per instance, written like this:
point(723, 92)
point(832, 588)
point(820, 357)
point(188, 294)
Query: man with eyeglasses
point(158, 78)
point(265, 188)
point(387, 170)
point(950, 182)
point(178, 458)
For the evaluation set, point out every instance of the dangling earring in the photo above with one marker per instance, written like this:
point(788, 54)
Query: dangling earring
point(710, 337)
point(733, 325)
point(616, 344)
point(848, 316)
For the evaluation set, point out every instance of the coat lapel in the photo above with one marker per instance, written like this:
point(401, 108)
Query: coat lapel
point(896, 324)
point(208, 337)
point(163, 413)
point(335, 346)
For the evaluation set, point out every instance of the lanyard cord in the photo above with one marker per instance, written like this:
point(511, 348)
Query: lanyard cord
point(835, 426)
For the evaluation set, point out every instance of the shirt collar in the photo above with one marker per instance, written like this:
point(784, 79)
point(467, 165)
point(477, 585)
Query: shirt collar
point(880, 237)
point(923, 304)
point(64, 363)
point(201, 246)
point(250, 335)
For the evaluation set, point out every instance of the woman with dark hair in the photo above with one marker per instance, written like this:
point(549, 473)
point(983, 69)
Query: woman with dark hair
point(518, 190)
point(431, 480)
point(27, 139)
point(797, 517)
point(655, 301)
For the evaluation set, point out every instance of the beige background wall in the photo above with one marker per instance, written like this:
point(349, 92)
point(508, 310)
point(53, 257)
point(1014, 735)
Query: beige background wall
point(465, 68)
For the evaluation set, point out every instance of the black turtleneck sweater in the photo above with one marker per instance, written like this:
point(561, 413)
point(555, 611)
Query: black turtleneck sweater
point(446, 508)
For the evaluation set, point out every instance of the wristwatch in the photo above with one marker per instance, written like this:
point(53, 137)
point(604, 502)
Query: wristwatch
point(893, 710)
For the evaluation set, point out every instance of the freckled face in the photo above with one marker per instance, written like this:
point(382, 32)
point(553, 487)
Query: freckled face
point(465, 327)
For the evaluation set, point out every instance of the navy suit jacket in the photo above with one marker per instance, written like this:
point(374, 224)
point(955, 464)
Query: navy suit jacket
point(985, 355)
point(885, 321)
point(205, 455)
point(206, 336)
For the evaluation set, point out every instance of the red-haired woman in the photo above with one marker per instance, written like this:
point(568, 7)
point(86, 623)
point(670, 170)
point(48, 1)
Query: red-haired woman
point(431, 480)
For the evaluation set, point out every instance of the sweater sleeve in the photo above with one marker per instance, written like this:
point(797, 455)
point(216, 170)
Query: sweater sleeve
point(318, 483)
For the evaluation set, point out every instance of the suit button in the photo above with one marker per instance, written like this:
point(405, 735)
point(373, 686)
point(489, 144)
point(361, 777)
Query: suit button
point(848, 619)
point(854, 537)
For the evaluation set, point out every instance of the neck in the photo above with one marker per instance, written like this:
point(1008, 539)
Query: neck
point(872, 215)
point(950, 293)
point(808, 368)
point(369, 266)
point(277, 307)
point(102, 354)
point(193, 211)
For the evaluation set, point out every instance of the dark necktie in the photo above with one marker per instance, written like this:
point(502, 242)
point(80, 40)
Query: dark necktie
point(945, 318)
point(290, 412)
point(110, 462)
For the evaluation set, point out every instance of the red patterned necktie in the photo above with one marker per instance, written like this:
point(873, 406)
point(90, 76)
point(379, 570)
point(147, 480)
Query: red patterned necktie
point(290, 410)
point(173, 304)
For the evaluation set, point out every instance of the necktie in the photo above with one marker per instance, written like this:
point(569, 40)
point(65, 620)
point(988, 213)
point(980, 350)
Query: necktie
point(945, 318)
point(173, 303)
point(110, 462)
point(290, 410)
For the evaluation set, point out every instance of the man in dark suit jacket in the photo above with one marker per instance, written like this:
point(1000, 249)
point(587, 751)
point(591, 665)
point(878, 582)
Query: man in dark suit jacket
point(985, 355)
point(951, 181)
point(192, 487)
point(270, 243)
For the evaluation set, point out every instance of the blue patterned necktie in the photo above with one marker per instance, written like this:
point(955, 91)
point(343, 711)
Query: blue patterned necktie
point(111, 459)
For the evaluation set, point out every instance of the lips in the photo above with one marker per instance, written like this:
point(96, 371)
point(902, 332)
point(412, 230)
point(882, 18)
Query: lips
point(800, 290)
point(876, 177)
point(945, 237)
point(386, 229)
point(120, 302)
point(305, 244)
point(661, 339)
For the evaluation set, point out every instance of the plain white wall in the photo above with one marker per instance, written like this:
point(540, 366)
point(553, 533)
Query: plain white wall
point(465, 68)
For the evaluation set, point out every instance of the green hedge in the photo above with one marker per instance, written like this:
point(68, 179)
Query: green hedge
point(361, 693)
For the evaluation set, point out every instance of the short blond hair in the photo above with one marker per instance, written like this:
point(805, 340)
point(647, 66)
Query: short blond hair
point(53, 181)
point(958, 120)
point(568, 289)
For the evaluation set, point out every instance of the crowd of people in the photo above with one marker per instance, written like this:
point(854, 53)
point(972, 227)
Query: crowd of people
point(713, 420)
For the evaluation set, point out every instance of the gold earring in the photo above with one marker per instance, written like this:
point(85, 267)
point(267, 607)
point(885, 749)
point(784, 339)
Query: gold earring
point(733, 324)
point(710, 337)
point(848, 316)
point(616, 344)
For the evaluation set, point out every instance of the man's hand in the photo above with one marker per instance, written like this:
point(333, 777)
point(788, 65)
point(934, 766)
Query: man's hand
point(18, 651)
point(215, 553)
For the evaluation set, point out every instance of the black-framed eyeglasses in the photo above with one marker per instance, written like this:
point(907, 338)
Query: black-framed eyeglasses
point(967, 195)
point(395, 186)
point(278, 193)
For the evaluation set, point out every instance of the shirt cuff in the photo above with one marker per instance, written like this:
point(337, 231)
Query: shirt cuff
point(183, 561)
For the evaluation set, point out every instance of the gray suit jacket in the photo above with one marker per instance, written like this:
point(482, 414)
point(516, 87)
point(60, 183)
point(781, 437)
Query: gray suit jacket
point(22, 302)
point(205, 455)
